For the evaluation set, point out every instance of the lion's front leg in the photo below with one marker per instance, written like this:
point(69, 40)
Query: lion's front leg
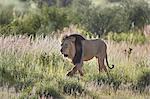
point(70, 73)
point(77, 67)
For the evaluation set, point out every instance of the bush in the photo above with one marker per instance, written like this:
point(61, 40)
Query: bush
point(118, 80)
point(47, 90)
point(131, 37)
point(42, 89)
point(46, 20)
point(71, 87)
point(101, 21)
point(29, 25)
point(6, 15)
point(143, 82)
point(138, 13)
point(121, 17)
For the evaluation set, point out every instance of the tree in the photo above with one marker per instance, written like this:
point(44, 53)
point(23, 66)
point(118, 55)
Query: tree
point(102, 21)
point(138, 12)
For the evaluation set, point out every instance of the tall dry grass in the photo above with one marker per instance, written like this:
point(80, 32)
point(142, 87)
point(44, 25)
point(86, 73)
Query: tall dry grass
point(36, 66)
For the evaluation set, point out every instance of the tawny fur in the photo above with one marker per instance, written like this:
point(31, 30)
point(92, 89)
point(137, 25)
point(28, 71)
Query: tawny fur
point(80, 49)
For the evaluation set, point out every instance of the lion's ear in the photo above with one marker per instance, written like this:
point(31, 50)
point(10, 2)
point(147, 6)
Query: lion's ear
point(64, 37)
point(72, 39)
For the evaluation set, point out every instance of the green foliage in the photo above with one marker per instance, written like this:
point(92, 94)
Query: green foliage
point(115, 80)
point(137, 11)
point(81, 8)
point(45, 89)
point(115, 20)
point(14, 73)
point(5, 15)
point(55, 15)
point(29, 24)
point(142, 82)
point(72, 87)
point(44, 21)
point(131, 37)
point(57, 18)
point(121, 17)
point(19, 71)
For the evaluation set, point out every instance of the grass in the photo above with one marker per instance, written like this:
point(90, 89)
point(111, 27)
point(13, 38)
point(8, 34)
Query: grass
point(35, 68)
point(130, 37)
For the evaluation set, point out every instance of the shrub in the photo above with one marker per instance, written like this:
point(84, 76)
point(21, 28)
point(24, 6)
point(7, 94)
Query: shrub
point(138, 12)
point(47, 20)
point(29, 25)
point(143, 82)
point(114, 81)
point(42, 89)
point(47, 90)
point(121, 17)
point(6, 15)
point(128, 37)
point(115, 20)
point(71, 87)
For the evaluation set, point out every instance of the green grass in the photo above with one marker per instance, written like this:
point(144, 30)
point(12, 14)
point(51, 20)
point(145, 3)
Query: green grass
point(33, 68)
point(131, 37)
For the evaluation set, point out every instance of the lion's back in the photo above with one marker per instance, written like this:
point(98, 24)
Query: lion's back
point(92, 48)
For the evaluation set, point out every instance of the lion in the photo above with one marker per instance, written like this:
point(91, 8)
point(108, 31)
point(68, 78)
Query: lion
point(79, 49)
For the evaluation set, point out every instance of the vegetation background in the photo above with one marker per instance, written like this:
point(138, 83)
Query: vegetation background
point(31, 65)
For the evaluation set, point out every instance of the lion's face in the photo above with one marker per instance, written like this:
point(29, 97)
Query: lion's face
point(68, 47)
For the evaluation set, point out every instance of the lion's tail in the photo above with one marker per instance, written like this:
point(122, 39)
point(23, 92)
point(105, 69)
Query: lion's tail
point(108, 64)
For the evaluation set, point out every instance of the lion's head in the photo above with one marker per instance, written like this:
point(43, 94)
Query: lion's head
point(68, 46)
point(72, 47)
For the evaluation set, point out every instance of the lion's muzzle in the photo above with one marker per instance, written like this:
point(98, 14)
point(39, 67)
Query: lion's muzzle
point(65, 55)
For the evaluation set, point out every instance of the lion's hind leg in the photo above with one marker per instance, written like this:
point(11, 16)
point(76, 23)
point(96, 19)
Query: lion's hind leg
point(102, 65)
